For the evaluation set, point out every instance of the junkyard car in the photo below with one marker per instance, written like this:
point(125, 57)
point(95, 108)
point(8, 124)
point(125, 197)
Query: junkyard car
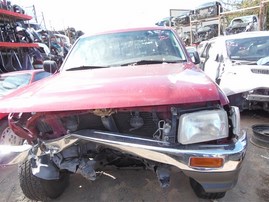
point(189, 37)
point(208, 10)
point(207, 32)
point(168, 21)
point(10, 82)
point(127, 98)
point(240, 64)
point(184, 18)
point(243, 24)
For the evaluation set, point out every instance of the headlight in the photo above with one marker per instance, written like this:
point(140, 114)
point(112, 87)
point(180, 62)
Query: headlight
point(202, 126)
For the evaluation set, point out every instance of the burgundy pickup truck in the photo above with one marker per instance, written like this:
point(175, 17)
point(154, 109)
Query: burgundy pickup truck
point(127, 98)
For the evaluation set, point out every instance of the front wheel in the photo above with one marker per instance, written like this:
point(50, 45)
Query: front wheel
point(38, 189)
point(201, 193)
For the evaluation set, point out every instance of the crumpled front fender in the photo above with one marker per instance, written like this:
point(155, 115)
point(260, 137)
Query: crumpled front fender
point(243, 78)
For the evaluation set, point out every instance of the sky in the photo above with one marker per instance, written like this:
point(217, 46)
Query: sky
point(101, 15)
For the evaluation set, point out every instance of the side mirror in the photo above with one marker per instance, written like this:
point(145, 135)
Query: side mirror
point(195, 58)
point(50, 66)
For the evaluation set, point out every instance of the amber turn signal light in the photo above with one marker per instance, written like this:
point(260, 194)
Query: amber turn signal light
point(206, 162)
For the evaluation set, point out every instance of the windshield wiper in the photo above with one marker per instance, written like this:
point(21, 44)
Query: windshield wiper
point(145, 62)
point(86, 67)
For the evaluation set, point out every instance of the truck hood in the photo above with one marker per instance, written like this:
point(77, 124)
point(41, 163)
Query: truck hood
point(119, 87)
point(242, 78)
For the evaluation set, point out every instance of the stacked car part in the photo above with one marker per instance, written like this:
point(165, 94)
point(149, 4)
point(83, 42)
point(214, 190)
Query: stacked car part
point(17, 47)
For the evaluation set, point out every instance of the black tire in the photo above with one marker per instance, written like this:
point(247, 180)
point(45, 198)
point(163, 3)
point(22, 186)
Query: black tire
point(200, 192)
point(38, 189)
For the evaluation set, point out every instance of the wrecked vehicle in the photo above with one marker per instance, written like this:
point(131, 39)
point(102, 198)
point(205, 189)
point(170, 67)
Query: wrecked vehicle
point(240, 65)
point(208, 10)
point(127, 98)
point(243, 24)
point(184, 18)
point(189, 37)
point(208, 32)
point(168, 21)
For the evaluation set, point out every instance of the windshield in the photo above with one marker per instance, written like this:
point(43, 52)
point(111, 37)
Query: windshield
point(250, 49)
point(12, 82)
point(116, 49)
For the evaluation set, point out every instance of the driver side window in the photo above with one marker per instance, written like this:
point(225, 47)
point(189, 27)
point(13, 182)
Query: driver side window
point(212, 52)
point(209, 50)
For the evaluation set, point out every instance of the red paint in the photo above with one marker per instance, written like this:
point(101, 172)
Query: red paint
point(18, 45)
point(13, 15)
point(116, 87)
point(31, 72)
point(3, 115)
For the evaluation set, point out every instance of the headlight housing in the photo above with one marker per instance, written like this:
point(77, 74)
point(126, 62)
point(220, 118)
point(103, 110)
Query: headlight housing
point(202, 126)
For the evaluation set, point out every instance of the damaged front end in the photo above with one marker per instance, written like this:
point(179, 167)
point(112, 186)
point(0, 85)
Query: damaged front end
point(235, 29)
point(256, 99)
point(199, 140)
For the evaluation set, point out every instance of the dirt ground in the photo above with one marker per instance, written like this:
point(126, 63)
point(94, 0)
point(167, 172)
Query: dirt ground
point(142, 186)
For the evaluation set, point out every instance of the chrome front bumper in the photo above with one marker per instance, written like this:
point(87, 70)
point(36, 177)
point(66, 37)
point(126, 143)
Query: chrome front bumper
point(172, 154)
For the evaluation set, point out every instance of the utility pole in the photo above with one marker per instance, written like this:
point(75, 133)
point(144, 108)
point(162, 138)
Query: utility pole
point(35, 13)
point(44, 21)
point(263, 14)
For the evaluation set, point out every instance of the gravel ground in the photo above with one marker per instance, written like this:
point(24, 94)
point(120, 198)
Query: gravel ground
point(142, 186)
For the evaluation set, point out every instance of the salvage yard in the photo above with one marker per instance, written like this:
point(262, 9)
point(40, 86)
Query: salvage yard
point(135, 110)
point(140, 185)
